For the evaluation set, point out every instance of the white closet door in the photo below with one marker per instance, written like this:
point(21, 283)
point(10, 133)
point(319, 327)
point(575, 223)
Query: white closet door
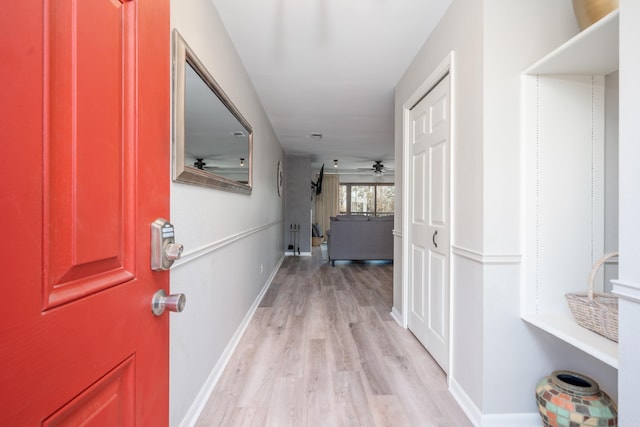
point(429, 240)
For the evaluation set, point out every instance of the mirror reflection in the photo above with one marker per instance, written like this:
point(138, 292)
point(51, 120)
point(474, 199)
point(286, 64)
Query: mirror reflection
point(212, 141)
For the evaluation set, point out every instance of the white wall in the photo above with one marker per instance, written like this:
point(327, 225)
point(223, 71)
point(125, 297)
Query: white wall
point(497, 358)
point(629, 282)
point(233, 243)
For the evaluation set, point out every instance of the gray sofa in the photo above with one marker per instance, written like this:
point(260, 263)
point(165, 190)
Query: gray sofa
point(359, 237)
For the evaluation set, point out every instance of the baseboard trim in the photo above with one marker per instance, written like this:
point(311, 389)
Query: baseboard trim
point(511, 420)
point(478, 419)
point(468, 407)
point(205, 392)
point(289, 253)
point(397, 316)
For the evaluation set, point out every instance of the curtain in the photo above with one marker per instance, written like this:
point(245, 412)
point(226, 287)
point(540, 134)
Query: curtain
point(327, 204)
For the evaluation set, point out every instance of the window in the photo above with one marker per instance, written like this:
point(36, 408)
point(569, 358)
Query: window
point(367, 199)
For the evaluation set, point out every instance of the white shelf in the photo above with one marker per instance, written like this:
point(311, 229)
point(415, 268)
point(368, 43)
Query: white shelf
point(563, 130)
point(593, 51)
point(565, 328)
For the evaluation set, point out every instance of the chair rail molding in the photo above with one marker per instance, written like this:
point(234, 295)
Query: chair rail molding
point(626, 290)
point(486, 259)
point(221, 243)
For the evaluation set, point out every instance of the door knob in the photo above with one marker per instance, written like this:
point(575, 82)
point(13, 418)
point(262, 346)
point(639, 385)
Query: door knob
point(161, 302)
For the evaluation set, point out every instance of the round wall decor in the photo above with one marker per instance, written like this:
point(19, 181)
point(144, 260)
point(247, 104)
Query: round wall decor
point(279, 178)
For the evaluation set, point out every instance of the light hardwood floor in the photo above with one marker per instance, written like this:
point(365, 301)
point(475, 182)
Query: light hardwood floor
point(323, 350)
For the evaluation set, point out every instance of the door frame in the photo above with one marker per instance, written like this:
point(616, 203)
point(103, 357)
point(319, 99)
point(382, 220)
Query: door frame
point(446, 66)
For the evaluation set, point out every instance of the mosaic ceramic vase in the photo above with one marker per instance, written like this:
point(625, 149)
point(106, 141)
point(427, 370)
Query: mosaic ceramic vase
point(569, 399)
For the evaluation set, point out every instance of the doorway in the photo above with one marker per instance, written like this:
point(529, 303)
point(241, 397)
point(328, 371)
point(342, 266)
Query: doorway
point(428, 218)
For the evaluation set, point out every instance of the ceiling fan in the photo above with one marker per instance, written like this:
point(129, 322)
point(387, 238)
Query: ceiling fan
point(213, 161)
point(201, 164)
point(377, 169)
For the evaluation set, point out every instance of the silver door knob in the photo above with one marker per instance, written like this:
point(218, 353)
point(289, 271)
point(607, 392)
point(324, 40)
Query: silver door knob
point(161, 302)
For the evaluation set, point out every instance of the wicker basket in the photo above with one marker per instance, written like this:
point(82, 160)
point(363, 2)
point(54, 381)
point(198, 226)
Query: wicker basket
point(596, 311)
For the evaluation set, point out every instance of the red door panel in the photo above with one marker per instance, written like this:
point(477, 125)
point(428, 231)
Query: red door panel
point(107, 403)
point(88, 106)
point(85, 118)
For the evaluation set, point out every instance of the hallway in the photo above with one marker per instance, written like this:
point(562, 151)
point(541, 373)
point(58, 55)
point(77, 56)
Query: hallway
point(322, 349)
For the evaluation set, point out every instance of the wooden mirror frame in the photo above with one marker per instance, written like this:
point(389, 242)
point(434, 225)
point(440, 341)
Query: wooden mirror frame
point(183, 57)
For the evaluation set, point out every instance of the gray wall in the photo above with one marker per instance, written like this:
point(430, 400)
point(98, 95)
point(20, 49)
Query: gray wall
point(233, 242)
point(516, 34)
point(493, 350)
point(467, 177)
point(628, 284)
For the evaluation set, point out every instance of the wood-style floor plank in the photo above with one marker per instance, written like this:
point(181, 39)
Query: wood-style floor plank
point(246, 417)
point(319, 406)
point(352, 406)
point(370, 362)
point(323, 350)
point(387, 411)
point(285, 408)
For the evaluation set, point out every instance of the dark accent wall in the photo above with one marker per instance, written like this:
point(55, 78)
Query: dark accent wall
point(298, 202)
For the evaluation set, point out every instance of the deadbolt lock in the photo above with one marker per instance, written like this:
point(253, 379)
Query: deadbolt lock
point(164, 250)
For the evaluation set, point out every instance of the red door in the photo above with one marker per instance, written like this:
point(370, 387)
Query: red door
point(84, 122)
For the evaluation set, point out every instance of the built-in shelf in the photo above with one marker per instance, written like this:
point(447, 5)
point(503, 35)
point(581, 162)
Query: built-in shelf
point(593, 51)
point(564, 150)
point(565, 328)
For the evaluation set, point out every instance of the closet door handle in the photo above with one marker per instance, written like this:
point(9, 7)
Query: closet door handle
point(433, 239)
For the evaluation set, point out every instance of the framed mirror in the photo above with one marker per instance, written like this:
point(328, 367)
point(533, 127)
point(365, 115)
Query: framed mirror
point(212, 141)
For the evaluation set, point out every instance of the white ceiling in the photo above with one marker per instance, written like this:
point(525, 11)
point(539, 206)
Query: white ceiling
point(330, 67)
